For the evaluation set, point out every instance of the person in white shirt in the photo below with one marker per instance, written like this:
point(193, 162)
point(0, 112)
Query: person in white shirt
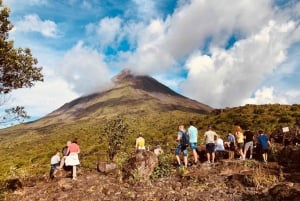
point(210, 136)
point(54, 163)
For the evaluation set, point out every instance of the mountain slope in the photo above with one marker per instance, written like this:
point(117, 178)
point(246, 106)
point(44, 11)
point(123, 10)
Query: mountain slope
point(129, 94)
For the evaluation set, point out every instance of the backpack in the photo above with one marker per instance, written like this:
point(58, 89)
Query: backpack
point(185, 139)
point(65, 151)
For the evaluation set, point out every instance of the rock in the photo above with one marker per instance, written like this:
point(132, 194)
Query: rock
point(13, 184)
point(107, 168)
point(284, 191)
point(140, 166)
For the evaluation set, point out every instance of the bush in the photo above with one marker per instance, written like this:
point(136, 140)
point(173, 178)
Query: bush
point(164, 166)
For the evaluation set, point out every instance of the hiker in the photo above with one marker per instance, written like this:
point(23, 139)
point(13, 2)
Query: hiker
point(249, 137)
point(240, 141)
point(181, 148)
point(264, 144)
point(65, 154)
point(54, 163)
point(231, 145)
point(219, 144)
point(219, 148)
point(72, 159)
point(209, 137)
point(193, 136)
point(140, 142)
point(158, 150)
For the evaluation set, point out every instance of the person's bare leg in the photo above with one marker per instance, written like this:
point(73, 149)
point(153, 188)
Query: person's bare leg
point(74, 172)
point(195, 156)
point(62, 162)
point(213, 155)
point(178, 159)
point(185, 161)
point(208, 157)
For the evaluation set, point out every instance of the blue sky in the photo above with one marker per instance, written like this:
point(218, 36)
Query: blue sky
point(218, 53)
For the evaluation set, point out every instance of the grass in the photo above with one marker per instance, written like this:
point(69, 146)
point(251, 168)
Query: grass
point(26, 149)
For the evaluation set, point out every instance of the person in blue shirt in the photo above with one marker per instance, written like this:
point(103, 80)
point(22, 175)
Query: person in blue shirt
point(264, 144)
point(193, 134)
point(231, 145)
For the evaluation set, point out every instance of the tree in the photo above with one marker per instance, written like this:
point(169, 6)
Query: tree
point(114, 134)
point(17, 66)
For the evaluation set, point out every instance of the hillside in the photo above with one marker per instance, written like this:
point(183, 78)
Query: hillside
point(145, 105)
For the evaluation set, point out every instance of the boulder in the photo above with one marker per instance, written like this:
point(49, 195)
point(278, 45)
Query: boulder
point(107, 168)
point(140, 166)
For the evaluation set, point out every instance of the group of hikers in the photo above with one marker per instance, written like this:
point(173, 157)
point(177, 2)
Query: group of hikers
point(69, 158)
point(239, 141)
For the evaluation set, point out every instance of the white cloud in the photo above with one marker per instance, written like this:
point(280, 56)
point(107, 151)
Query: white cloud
point(163, 43)
point(228, 77)
point(84, 69)
point(146, 9)
point(33, 23)
point(108, 30)
point(43, 97)
point(266, 95)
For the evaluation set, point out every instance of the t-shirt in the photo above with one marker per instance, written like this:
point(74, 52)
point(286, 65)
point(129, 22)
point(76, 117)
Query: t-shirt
point(263, 141)
point(210, 136)
point(231, 138)
point(219, 145)
point(140, 141)
point(249, 136)
point(55, 159)
point(239, 137)
point(73, 148)
point(193, 133)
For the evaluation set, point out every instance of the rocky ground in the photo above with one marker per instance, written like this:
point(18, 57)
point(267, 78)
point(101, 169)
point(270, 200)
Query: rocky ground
point(225, 180)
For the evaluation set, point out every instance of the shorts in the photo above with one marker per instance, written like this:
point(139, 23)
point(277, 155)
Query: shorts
point(264, 150)
point(193, 146)
point(210, 148)
point(231, 146)
point(240, 145)
point(180, 149)
point(249, 145)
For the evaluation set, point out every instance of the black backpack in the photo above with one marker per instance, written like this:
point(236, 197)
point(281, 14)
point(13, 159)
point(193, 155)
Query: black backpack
point(185, 139)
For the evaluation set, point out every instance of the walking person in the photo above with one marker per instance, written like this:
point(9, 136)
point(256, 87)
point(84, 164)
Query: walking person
point(249, 138)
point(240, 141)
point(181, 147)
point(65, 154)
point(210, 137)
point(72, 159)
point(264, 144)
point(193, 135)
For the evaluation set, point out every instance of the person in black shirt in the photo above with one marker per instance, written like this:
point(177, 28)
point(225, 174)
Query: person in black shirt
point(249, 137)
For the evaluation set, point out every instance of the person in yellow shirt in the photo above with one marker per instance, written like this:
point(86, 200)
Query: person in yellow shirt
point(140, 143)
point(240, 141)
